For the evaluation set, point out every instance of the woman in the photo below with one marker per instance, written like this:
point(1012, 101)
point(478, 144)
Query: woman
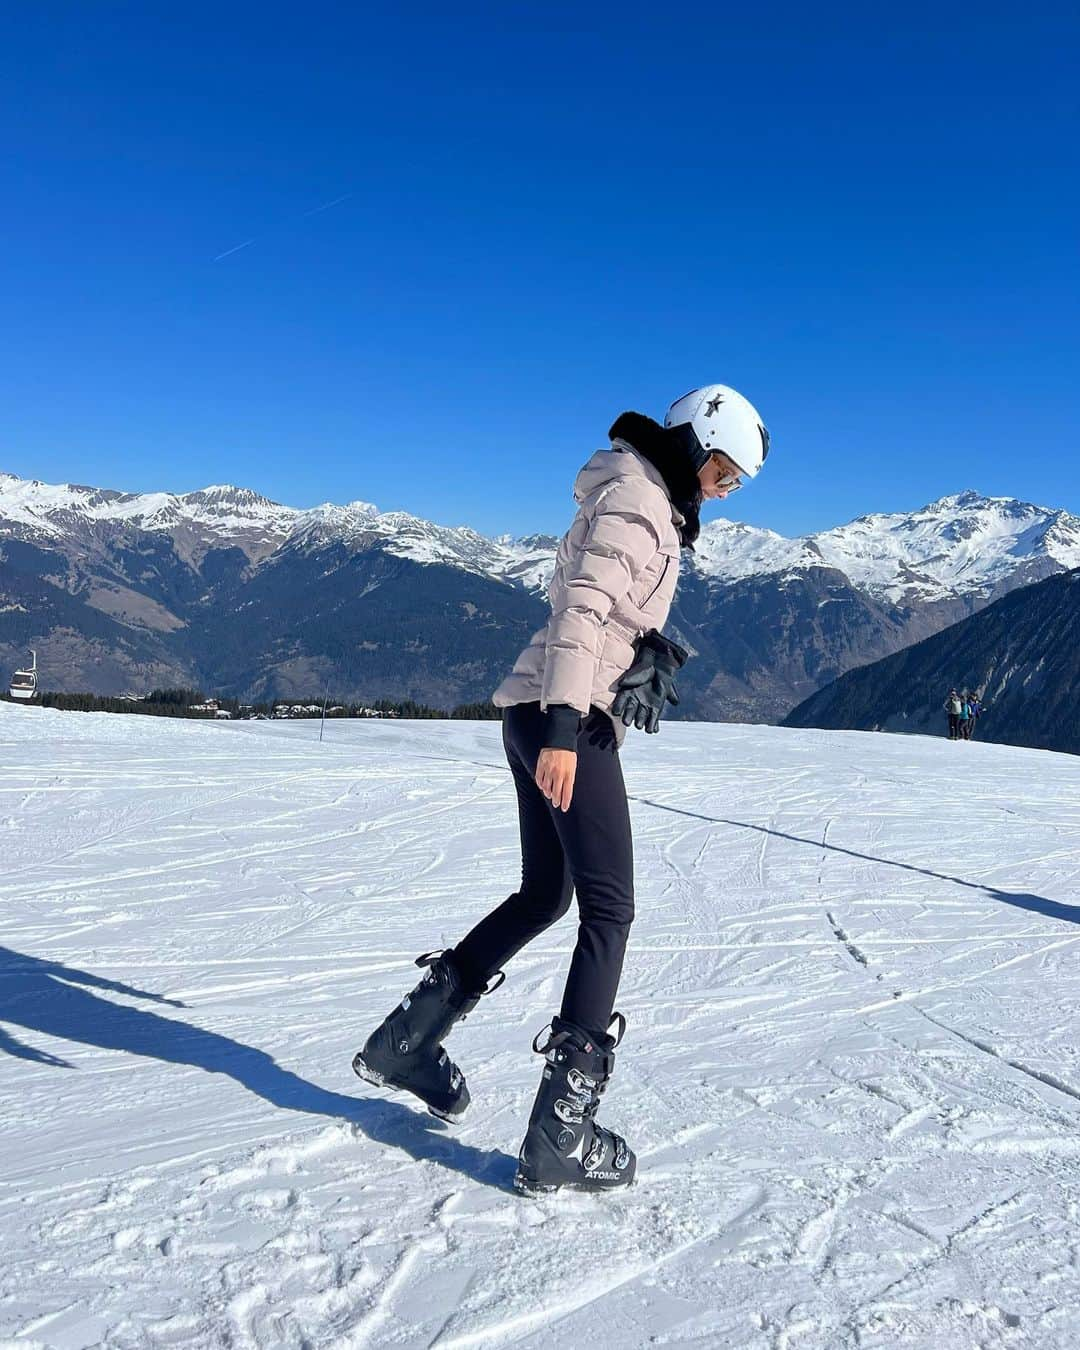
point(952, 708)
point(597, 666)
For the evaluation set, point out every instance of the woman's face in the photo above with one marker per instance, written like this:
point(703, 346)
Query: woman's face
point(719, 477)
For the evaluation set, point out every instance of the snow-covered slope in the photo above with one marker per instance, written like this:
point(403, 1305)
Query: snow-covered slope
point(851, 1071)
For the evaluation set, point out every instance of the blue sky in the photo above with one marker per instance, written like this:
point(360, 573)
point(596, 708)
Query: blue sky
point(864, 217)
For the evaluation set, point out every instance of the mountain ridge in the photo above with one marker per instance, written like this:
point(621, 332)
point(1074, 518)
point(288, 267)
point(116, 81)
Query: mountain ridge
point(934, 564)
point(227, 588)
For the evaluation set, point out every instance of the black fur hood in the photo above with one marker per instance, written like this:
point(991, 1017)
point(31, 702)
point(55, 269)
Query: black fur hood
point(665, 452)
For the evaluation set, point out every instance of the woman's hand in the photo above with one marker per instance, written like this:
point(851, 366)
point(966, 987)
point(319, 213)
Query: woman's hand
point(555, 770)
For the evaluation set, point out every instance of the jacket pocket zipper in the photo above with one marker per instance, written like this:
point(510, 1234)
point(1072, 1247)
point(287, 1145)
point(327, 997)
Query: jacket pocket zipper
point(659, 581)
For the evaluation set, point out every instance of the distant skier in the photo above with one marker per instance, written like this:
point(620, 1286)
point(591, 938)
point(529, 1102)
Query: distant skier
point(974, 709)
point(598, 666)
point(953, 706)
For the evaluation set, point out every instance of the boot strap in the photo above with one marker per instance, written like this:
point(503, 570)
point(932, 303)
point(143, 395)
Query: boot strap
point(557, 1038)
point(429, 959)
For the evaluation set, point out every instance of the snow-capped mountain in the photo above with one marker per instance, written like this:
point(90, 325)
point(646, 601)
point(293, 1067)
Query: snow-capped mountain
point(227, 588)
point(359, 526)
point(964, 544)
point(961, 544)
point(225, 516)
point(52, 508)
point(216, 516)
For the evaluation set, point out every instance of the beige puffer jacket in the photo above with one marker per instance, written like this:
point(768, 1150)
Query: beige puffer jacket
point(615, 574)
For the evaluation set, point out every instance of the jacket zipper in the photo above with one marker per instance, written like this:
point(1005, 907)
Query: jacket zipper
point(659, 582)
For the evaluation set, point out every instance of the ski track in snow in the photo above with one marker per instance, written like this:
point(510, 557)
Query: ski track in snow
point(851, 1071)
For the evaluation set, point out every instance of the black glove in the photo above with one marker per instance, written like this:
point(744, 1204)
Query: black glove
point(599, 731)
point(650, 682)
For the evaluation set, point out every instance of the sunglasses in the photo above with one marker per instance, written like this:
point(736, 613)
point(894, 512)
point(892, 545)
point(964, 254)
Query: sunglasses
point(729, 481)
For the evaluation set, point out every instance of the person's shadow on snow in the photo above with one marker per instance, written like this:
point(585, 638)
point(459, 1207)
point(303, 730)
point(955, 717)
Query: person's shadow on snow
point(1036, 904)
point(55, 999)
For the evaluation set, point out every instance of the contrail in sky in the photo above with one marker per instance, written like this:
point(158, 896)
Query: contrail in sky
point(327, 205)
point(303, 215)
point(234, 250)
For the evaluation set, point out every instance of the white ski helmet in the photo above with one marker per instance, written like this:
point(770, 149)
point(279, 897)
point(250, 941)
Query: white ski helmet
point(722, 420)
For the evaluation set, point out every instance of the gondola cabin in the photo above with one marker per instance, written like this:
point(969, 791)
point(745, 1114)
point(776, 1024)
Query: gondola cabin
point(24, 682)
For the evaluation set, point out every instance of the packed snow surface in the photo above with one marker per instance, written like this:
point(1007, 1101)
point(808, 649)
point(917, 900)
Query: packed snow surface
point(851, 1071)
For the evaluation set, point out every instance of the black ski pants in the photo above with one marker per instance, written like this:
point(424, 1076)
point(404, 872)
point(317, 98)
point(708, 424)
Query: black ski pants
point(587, 849)
point(954, 726)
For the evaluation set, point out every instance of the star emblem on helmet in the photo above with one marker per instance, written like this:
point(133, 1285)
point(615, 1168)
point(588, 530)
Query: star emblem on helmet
point(713, 404)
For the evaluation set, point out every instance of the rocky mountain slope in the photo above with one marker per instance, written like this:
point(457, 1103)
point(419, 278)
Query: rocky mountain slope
point(1022, 653)
point(227, 589)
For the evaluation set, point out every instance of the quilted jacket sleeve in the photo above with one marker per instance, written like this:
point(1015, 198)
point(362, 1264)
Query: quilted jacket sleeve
point(623, 535)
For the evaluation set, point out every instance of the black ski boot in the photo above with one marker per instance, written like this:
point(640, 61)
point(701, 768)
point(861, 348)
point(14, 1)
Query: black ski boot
point(564, 1146)
point(405, 1051)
